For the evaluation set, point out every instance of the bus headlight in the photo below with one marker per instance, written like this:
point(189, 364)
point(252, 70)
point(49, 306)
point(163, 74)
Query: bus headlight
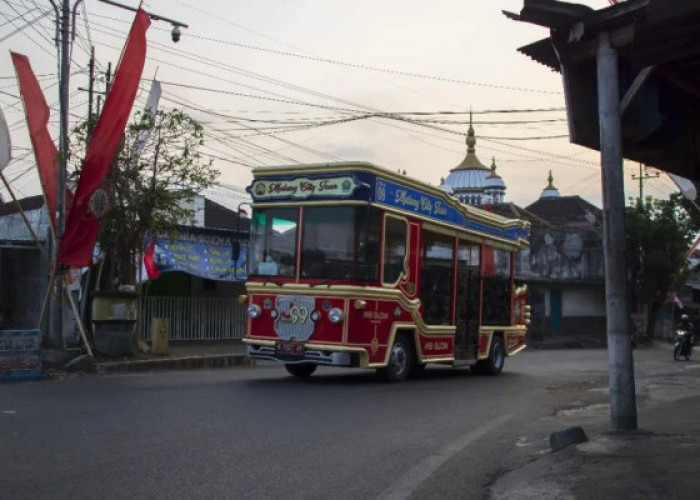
point(335, 315)
point(254, 311)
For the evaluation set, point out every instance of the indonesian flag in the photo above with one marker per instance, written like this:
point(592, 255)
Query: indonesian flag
point(82, 225)
point(37, 113)
point(149, 262)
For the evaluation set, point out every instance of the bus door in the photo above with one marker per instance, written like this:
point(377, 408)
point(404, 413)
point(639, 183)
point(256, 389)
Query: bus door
point(467, 318)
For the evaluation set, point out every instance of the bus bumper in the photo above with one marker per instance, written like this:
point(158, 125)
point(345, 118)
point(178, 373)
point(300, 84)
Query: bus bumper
point(317, 357)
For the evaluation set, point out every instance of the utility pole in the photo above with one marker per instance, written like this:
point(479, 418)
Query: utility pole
point(623, 411)
point(643, 175)
point(65, 32)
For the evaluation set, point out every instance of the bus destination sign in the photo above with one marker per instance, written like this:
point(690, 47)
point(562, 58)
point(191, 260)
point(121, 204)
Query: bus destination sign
point(303, 188)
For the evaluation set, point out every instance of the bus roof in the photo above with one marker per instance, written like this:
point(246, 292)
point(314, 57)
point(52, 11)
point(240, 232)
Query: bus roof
point(391, 190)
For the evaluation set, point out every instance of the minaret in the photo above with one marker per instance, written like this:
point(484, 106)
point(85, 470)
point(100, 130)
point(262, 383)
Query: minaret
point(494, 187)
point(550, 191)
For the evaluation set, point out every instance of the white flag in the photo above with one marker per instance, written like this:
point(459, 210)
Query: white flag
point(687, 187)
point(151, 107)
point(5, 145)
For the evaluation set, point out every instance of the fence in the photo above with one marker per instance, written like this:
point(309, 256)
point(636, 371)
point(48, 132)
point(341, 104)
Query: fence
point(194, 318)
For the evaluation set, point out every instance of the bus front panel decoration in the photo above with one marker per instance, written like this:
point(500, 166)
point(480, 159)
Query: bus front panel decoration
point(354, 265)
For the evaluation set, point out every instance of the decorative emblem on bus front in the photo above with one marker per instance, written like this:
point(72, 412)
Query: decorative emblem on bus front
point(294, 317)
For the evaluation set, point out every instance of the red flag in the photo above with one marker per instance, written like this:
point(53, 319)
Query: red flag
point(37, 112)
point(149, 263)
point(82, 225)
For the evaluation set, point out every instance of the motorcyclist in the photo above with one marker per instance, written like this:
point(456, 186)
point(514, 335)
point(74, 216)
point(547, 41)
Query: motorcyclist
point(687, 326)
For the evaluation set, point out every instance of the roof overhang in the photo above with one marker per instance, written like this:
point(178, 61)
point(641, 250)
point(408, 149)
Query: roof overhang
point(658, 45)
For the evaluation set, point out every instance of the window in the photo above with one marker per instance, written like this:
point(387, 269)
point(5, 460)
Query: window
point(340, 243)
point(395, 236)
point(497, 294)
point(437, 277)
point(274, 240)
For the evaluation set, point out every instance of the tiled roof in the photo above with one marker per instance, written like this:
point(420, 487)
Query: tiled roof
point(567, 211)
point(513, 211)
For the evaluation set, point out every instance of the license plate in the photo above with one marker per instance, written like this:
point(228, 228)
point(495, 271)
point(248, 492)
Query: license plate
point(289, 348)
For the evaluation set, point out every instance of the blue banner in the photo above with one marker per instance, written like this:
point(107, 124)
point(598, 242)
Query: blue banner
point(204, 253)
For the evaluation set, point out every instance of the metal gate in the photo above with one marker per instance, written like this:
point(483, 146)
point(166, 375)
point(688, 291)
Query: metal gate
point(194, 318)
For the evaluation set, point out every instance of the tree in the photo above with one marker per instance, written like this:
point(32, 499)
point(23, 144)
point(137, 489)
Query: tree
point(659, 233)
point(158, 166)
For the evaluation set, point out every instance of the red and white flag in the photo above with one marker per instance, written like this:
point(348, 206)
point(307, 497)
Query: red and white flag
point(149, 261)
point(82, 225)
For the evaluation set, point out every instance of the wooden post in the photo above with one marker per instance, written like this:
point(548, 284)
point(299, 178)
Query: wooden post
point(623, 411)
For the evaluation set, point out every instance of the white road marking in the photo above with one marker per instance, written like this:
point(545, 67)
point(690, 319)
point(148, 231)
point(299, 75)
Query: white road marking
point(409, 482)
point(8, 412)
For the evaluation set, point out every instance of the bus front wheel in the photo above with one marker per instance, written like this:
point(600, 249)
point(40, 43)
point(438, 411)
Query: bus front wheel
point(493, 365)
point(401, 361)
point(301, 369)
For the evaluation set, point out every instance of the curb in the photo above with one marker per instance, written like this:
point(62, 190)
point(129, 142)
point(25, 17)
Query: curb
point(183, 363)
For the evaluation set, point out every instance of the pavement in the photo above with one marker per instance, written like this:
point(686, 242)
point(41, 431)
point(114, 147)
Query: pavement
point(179, 357)
point(659, 460)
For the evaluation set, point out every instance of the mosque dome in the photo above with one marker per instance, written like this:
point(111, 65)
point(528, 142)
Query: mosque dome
point(471, 181)
point(550, 191)
point(445, 187)
point(494, 181)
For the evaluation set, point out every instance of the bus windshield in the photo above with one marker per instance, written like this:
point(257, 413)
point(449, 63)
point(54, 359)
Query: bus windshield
point(339, 242)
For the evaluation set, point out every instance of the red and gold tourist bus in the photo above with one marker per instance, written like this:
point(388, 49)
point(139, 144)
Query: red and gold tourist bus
point(353, 265)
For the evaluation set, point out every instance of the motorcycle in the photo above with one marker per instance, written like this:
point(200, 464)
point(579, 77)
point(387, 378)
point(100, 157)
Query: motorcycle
point(682, 345)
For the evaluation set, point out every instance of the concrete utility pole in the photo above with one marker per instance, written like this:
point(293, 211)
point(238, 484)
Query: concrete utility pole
point(643, 175)
point(65, 28)
point(623, 411)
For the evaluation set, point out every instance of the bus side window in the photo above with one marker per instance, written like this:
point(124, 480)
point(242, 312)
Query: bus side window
point(496, 289)
point(395, 236)
point(437, 275)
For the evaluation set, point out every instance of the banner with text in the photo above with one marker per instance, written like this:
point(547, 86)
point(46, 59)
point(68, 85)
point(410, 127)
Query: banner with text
point(201, 252)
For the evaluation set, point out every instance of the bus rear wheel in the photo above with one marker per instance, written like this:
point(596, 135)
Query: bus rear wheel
point(401, 361)
point(493, 365)
point(301, 370)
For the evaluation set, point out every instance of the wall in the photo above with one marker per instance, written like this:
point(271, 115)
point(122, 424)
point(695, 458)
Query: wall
point(23, 281)
point(588, 301)
point(562, 254)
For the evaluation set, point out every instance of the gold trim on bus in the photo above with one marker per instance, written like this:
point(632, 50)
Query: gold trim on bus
point(350, 291)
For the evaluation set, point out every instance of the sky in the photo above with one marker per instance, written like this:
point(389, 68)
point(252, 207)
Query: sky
point(278, 82)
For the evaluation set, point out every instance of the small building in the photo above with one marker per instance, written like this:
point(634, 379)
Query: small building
point(24, 263)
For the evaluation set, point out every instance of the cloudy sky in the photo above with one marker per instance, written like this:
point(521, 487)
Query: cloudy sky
point(301, 81)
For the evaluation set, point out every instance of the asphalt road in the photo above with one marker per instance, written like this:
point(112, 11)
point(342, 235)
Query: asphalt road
point(258, 433)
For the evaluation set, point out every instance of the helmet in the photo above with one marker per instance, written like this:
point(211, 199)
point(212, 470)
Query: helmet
point(685, 317)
